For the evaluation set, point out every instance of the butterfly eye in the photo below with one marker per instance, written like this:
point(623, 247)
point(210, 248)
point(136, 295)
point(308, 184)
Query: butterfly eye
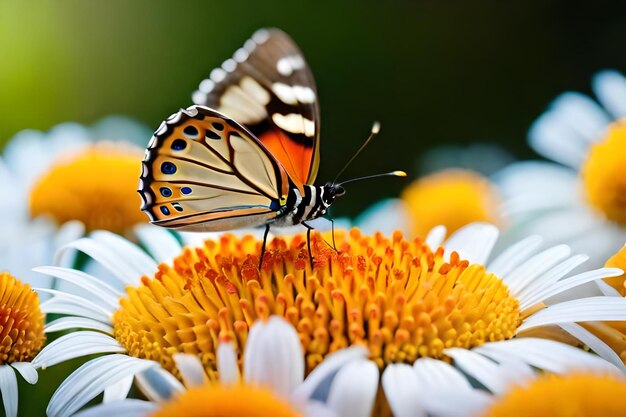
point(166, 192)
point(168, 168)
point(212, 135)
point(179, 144)
point(185, 190)
point(191, 132)
point(165, 210)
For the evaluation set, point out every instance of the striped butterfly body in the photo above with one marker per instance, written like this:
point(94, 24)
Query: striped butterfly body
point(246, 154)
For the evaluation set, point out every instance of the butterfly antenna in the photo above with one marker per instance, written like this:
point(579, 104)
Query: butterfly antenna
point(373, 134)
point(386, 174)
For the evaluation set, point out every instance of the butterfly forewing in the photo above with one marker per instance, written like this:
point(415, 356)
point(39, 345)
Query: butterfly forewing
point(268, 87)
point(205, 172)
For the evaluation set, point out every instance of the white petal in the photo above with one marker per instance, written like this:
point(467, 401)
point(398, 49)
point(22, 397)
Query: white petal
point(318, 409)
point(227, 367)
point(74, 345)
point(67, 233)
point(549, 355)
point(569, 283)
point(98, 289)
point(607, 290)
point(557, 141)
point(433, 374)
point(63, 300)
point(8, 388)
point(326, 368)
point(159, 242)
point(482, 369)
point(27, 370)
point(353, 390)
point(402, 391)
point(157, 384)
point(555, 184)
point(467, 403)
point(528, 271)
point(131, 254)
point(535, 289)
point(91, 379)
point(595, 343)
point(610, 87)
point(587, 309)
point(119, 262)
point(119, 390)
point(125, 408)
point(66, 323)
point(435, 237)
point(473, 242)
point(273, 356)
point(513, 256)
point(190, 368)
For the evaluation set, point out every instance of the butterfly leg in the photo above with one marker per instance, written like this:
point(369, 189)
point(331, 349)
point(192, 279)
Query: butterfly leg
point(308, 241)
point(332, 231)
point(267, 230)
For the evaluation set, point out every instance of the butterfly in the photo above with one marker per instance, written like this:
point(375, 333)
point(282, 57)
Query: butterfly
point(247, 152)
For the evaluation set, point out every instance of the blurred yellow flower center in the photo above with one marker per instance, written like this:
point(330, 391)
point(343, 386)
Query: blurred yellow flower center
point(214, 400)
point(578, 395)
point(604, 174)
point(21, 321)
point(97, 186)
point(394, 296)
point(452, 198)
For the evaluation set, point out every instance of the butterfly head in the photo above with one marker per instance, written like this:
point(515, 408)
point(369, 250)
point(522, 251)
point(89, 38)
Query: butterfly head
point(330, 194)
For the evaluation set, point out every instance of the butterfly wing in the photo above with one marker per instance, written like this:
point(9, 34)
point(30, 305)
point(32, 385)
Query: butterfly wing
point(268, 87)
point(205, 172)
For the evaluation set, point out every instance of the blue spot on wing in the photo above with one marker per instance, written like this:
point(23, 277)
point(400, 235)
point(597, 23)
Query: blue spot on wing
point(166, 192)
point(179, 144)
point(168, 168)
point(165, 210)
point(185, 190)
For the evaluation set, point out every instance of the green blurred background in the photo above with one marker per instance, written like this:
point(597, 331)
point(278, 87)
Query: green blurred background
point(431, 72)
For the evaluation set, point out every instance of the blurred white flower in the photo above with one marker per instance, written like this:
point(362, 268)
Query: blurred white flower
point(581, 200)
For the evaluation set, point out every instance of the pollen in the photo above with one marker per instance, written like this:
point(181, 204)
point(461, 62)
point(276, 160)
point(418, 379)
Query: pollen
point(214, 400)
point(21, 321)
point(452, 198)
point(96, 186)
point(604, 174)
point(395, 296)
point(564, 396)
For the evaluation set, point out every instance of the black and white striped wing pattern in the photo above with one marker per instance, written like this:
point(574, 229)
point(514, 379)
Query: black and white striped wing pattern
point(268, 87)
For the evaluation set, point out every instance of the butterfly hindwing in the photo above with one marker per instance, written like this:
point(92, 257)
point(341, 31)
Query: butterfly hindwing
point(205, 172)
point(268, 87)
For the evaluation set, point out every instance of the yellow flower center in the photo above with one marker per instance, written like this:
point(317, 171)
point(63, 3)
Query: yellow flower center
point(21, 321)
point(97, 186)
point(577, 395)
point(452, 198)
point(394, 296)
point(604, 174)
point(214, 400)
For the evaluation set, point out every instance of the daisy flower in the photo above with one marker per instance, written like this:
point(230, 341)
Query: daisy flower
point(22, 335)
point(58, 184)
point(582, 198)
point(272, 382)
point(402, 299)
